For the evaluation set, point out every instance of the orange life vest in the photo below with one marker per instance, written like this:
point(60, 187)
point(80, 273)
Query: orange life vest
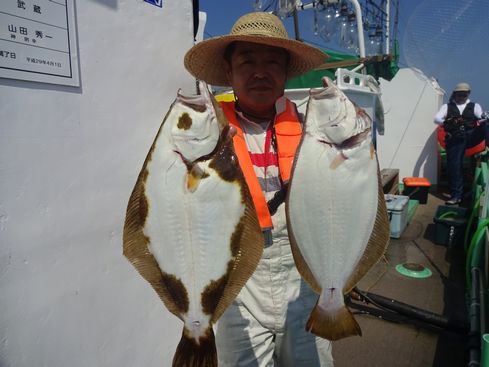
point(288, 132)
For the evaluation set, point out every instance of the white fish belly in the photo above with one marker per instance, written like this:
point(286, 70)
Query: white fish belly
point(190, 232)
point(332, 211)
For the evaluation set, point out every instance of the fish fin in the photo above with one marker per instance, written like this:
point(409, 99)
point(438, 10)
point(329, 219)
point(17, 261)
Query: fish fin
point(246, 242)
point(135, 245)
point(194, 176)
point(299, 260)
point(377, 243)
point(340, 158)
point(192, 353)
point(332, 325)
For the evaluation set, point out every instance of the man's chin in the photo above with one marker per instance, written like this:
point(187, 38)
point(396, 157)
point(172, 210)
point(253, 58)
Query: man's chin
point(263, 103)
point(259, 107)
point(262, 95)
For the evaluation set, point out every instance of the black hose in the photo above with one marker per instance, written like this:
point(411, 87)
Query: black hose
point(482, 301)
point(474, 313)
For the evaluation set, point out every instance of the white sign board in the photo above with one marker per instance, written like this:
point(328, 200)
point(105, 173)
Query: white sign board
point(38, 41)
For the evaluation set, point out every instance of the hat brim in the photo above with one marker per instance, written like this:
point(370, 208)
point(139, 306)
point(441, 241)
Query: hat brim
point(206, 62)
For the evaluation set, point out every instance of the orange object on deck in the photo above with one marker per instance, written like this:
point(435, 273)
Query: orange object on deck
point(416, 188)
point(416, 181)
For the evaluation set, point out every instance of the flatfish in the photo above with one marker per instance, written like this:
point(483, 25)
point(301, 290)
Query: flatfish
point(336, 214)
point(191, 229)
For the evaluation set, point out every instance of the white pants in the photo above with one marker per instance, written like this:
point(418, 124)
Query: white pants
point(265, 326)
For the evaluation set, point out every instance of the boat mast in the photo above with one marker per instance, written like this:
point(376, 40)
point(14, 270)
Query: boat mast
point(387, 26)
point(361, 38)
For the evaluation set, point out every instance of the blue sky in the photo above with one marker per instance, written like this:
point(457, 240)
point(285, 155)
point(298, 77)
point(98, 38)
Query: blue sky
point(446, 39)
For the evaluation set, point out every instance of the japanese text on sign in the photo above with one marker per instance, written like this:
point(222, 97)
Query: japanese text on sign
point(37, 41)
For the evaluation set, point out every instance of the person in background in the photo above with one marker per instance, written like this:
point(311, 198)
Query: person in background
point(265, 326)
point(460, 120)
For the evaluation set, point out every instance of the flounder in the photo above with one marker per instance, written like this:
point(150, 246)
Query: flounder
point(191, 229)
point(336, 214)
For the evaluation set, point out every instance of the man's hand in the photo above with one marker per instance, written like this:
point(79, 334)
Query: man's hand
point(454, 120)
point(232, 131)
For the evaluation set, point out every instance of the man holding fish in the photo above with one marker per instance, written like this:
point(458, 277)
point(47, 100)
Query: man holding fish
point(265, 325)
point(206, 224)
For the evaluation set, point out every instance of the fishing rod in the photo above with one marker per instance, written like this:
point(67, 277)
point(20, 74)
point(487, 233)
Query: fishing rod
point(390, 316)
point(395, 311)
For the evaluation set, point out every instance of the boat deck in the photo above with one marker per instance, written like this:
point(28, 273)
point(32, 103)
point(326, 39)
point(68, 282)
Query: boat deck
point(407, 343)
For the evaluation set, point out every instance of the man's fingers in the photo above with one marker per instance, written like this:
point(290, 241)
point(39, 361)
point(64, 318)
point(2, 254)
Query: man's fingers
point(232, 131)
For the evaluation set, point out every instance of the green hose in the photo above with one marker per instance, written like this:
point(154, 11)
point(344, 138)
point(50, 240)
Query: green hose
point(485, 350)
point(471, 253)
point(477, 176)
point(473, 214)
point(448, 214)
point(484, 172)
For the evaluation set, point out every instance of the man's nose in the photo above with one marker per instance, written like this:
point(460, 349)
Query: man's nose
point(261, 70)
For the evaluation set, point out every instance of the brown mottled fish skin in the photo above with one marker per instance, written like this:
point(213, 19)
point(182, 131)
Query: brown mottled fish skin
point(179, 281)
point(336, 214)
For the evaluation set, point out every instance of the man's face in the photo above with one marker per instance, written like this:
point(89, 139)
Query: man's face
point(257, 74)
point(461, 97)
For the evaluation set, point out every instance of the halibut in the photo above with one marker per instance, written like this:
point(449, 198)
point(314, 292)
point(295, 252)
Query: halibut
point(191, 229)
point(336, 214)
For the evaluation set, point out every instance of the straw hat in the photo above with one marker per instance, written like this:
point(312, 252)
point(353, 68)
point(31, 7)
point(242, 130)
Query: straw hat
point(462, 87)
point(206, 61)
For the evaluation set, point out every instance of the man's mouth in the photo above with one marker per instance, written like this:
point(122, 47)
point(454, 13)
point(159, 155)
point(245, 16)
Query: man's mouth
point(260, 87)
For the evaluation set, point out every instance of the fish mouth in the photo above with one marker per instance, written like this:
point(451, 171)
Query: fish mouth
point(198, 102)
point(328, 90)
point(355, 140)
point(224, 136)
point(191, 138)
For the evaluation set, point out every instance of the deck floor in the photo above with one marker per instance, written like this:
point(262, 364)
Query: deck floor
point(386, 343)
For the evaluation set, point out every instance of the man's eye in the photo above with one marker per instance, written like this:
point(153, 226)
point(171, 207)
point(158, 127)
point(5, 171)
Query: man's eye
point(244, 61)
point(274, 62)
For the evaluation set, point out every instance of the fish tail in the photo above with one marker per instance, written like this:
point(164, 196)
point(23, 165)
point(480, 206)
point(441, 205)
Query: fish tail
point(332, 324)
point(191, 353)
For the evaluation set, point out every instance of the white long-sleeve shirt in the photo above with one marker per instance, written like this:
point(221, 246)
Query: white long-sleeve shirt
point(442, 113)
